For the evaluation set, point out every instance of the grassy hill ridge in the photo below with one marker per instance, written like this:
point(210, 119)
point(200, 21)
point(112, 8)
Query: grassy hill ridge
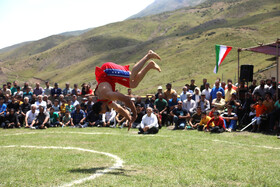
point(184, 38)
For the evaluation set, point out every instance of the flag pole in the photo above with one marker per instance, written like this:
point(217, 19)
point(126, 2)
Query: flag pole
point(238, 61)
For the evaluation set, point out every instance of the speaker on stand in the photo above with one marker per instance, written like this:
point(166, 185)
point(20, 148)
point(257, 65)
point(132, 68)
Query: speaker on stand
point(246, 73)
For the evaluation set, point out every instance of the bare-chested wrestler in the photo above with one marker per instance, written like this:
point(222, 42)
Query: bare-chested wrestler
point(109, 74)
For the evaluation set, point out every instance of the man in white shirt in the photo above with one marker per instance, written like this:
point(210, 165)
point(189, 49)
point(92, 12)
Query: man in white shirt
point(189, 104)
point(183, 95)
point(30, 116)
point(149, 123)
point(207, 91)
point(109, 118)
point(40, 102)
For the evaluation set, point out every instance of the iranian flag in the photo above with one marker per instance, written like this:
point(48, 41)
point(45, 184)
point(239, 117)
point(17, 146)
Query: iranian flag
point(221, 53)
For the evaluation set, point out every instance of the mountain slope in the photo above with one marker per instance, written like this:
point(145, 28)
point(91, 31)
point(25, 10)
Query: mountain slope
point(159, 6)
point(184, 38)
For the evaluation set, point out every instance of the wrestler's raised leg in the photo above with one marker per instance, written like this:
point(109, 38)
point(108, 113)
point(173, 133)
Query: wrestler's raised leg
point(139, 65)
point(138, 78)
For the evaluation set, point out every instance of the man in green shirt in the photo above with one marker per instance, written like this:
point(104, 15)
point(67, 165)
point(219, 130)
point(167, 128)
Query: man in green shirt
point(54, 118)
point(160, 106)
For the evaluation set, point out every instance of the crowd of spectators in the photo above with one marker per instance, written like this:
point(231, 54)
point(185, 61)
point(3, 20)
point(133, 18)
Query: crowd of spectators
point(217, 108)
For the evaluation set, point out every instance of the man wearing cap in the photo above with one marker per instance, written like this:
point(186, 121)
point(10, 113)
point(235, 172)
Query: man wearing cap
point(189, 104)
point(218, 122)
point(167, 94)
point(56, 91)
point(159, 90)
point(183, 95)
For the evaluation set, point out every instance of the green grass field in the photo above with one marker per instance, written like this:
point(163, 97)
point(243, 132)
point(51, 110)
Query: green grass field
point(58, 157)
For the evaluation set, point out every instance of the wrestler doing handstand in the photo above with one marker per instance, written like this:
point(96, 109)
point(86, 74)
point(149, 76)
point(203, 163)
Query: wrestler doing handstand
point(109, 74)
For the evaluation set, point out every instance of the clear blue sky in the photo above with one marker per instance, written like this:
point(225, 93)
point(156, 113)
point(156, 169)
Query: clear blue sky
point(27, 20)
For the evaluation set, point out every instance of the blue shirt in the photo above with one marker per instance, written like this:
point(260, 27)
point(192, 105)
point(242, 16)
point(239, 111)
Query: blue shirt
point(171, 103)
point(214, 91)
point(3, 108)
point(77, 117)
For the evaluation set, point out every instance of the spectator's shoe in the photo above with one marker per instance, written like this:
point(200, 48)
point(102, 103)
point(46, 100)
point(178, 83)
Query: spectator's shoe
point(146, 132)
point(278, 136)
point(32, 128)
point(113, 126)
point(175, 128)
point(140, 132)
point(98, 125)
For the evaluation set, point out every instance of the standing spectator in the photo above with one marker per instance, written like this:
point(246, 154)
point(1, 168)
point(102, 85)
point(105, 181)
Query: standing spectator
point(196, 96)
point(168, 92)
point(161, 106)
point(189, 104)
point(9, 85)
point(74, 102)
point(42, 120)
point(188, 89)
point(6, 91)
point(24, 108)
point(28, 93)
point(260, 110)
point(274, 117)
point(234, 103)
point(180, 116)
point(204, 104)
point(109, 118)
point(11, 120)
point(83, 89)
point(217, 88)
point(18, 92)
point(76, 90)
point(25, 86)
point(47, 90)
point(241, 91)
point(230, 119)
point(158, 91)
point(223, 85)
point(67, 90)
point(56, 91)
point(207, 91)
point(78, 117)
point(229, 91)
point(40, 102)
point(183, 95)
point(192, 85)
point(149, 123)
point(195, 119)
point(219, 125)
point(253, 86)
point(14, 88)
point(272, 89)
point(229, 81)
point(3, 108)
point(219, 102)
point(88, 91)
point(30, 116)
point(261, 89)
point(203, 86)
point(38, 90)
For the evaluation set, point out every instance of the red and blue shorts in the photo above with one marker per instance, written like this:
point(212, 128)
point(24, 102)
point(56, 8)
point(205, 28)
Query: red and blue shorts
point(113, 73)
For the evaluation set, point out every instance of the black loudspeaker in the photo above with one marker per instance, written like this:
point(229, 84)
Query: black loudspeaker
point(246, 73)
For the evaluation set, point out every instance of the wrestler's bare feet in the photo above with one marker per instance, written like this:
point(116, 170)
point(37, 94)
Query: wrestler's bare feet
point(154, 65)
point(152, 55)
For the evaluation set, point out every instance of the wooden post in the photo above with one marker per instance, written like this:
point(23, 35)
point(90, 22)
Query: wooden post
point(277, 68)
point(238, 76)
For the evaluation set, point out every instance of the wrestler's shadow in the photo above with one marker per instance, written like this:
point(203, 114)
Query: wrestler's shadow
point(119, 171)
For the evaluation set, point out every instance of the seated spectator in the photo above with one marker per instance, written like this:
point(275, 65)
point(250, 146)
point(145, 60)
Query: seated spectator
point(3, 109)
point(89, 103)
point(159, 91)
point(121, 121)
point(183, 95)
point(24, 108)
point(69, 106)
point(38, 90)
point(160, 106)
point(203, 122)
point(195, 119)
point(260, 110)
point(219, 125)
point(6, 91)
point(180, 115)
point(84, 104)
point(76, 90)
point(140, 114)
point(203, 103)
point(62, 107)
point(60, 99)
point(196, 96)
point(66, 120)
point(42, 119)
point(13, 105)
point(217, 88)
point(203, 86)
point(25, 86)
point(108, 118)
point(207, 91)
point(91, 120)
point(230, 119)
point(11, 120)
point(274, 116)
point(268, 103)
point(67, 90)
point(189, 104)
point(261, 89)
point(54, 118)
point(229, 91)
point(167, 94)
point(173, 101)
point(56, 91)
point(74, 101)
point(40, 102)
point(83, 89)
point(30, 116)
point(241, 91)
point(28, 94)
point(18, 92)
point(149, 102)
point(47, 90)
point(149, 123)
point(139, 101)
point(48, 102)
point(188, 89)
point(78, 117)
point(14, 88)
point(33, 99)
point(192, 85)
point(219, 102)
point(88, 91)
point(234, 103)
point(272, 89)
point(56, 105)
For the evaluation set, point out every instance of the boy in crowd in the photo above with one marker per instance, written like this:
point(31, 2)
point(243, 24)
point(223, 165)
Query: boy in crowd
point(219, 125)
point(54, 118)
point(66, 120)
point(195, 119)
point(260, 110)
point(203, 122)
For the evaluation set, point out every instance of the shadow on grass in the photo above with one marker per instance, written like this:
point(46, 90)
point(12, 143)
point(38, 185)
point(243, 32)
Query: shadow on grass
point(97, 169)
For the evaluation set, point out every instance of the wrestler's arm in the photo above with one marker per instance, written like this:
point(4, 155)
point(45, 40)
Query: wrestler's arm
point(120, 110)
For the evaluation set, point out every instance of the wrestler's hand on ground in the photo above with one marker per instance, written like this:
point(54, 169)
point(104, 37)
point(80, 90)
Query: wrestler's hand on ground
point(131, 121)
